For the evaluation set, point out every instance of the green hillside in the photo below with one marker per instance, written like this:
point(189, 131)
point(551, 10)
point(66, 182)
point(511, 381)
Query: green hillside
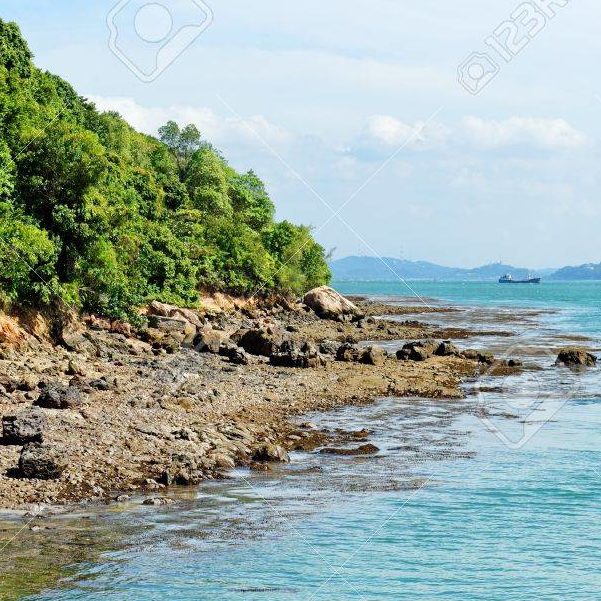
point(106, 218)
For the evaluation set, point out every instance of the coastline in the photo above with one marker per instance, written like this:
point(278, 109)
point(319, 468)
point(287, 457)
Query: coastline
point(154, 417)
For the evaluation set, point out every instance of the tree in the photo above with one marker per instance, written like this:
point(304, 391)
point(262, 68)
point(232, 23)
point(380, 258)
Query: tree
point(183, 143)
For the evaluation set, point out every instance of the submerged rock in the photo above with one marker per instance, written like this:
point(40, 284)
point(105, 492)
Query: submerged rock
point(366, 449)
point(158, 501)
point(329, 304)
point(576, 357)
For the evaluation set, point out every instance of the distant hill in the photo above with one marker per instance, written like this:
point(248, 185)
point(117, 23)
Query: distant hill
point(386, 269)
point(589, 271)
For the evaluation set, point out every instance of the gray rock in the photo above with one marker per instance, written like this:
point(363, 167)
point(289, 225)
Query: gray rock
point(576, 357)
point(329, 304)
point(297, 354)
point(447, 349)
point(261, 341)
point(59, 397)
point(418, 351)
point(236, 354)
point(329, 347)
point(271, 452)
point(23, 428)
point(42, 461)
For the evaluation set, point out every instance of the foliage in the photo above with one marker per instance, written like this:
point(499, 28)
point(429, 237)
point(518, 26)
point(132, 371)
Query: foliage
point(109, 218)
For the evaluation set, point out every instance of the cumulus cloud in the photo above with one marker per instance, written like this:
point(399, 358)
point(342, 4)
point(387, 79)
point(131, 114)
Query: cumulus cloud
point(214, 127)
point(550, 134)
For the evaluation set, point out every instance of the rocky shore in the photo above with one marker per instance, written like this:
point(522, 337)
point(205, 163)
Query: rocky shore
point(96, 411)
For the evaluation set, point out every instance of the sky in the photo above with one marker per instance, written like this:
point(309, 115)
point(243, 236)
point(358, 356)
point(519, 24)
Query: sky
point(462, 132)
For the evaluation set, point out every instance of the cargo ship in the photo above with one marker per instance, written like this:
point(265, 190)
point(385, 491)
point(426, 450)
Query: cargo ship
point(508, 279)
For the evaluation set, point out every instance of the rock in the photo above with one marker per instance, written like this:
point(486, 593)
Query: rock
point(366, 449)
point(59, 397)
point(348, 352)
point(295, 354)
point(417, 351)
point(23, 428)
point(121, 498)
point(447, 349)
point(372, 355)
point(576, 357)
point(42, 461)
point(28, 383)
point(329, 347)
point(183, 470)
point(329, 304)
point(173, 325)
point(236, 354)
point(209, 340)
point(165, 310)
point(158, 501)
point(100, 384)
point(472, 355)
point(261, 341)
point(75, 368)
point(292, 328)
point(271, 453)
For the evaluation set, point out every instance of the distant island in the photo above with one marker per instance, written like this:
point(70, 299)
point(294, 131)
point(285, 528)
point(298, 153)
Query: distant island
point(356, 268)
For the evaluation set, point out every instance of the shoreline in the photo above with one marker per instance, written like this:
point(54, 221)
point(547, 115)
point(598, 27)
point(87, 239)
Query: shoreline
point(155, 417)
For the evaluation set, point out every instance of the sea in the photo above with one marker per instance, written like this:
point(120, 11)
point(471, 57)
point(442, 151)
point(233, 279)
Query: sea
point(494, 497)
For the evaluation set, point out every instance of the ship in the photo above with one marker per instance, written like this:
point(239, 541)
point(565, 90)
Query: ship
point(508, 279)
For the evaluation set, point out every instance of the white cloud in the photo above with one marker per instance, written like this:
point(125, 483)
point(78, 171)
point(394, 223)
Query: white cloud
point(214, 128)
point(385, 130)
point(551, 134)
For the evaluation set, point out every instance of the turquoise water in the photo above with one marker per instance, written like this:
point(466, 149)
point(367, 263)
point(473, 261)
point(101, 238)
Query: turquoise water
point(495, 497)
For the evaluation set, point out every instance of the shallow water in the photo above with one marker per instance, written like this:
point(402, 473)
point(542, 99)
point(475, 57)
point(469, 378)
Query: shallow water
point(494, 497)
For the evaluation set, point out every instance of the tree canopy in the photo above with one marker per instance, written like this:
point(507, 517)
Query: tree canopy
point(107, 218)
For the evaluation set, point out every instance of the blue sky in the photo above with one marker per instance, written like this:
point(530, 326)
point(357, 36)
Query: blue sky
point(354, 108)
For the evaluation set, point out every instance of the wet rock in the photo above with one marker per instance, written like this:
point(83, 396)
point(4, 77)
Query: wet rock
point(183, 470)
point(209, 340)
point(271, 453)
point(480, 357)
point(447, 349)
point(59, 397)
point(420, 350)
point(576, 357)
point(295, 354)
point(366, 449)
point(261, 341)
point(372, 355)
point(158, 501)
point(42, 461)
point(23, 428)
point(329, 304)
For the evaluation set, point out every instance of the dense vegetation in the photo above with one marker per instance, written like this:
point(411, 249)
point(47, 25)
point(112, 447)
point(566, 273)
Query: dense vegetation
point(106, 218)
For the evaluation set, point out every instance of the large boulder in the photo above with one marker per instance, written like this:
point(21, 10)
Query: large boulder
point(329, 304)
point(297, 354)
point(261, 341)
point(209, 340)
point(271, 453)
point(165, 310)
point(60, 397)
point(23, 428)
point(174, 326)
point(418, 351)
point(42, 461)
point(576, 357)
